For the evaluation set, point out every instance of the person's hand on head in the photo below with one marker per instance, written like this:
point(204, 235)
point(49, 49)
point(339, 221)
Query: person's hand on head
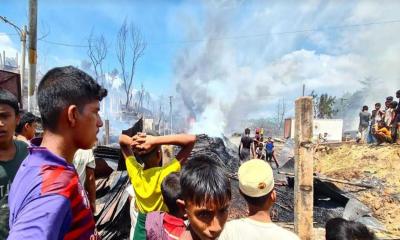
point(147, 143)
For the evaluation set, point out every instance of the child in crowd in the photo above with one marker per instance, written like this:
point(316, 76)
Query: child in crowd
point(341, 229)
point(260, 151)
point(393, 124)
point(12, 153)
point(397, 120)
point(46, 198)
point(167, 225)
point(270, 151)
point(206, 195)
point(26, 128)
point(146, 179)
point(256, 184)
point(365, 117)
point(376, 116)
point(382, 133)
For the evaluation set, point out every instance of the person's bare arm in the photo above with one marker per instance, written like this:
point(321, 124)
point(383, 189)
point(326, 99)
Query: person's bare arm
point(185, 141)
point(253, 150)
point(90, 187)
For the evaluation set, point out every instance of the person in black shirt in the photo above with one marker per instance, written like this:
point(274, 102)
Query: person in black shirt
point(246, 147)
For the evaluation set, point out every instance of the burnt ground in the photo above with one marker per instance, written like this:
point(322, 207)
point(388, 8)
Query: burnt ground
point(225, 151)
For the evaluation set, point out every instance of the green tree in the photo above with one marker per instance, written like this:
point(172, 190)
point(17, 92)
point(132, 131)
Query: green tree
point(324, 105)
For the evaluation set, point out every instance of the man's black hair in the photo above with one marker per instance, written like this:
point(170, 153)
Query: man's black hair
point(390, 98)
point(9, 99)
point(378, 105)
point(171, 191)
point(393, 104)
point(256, 201)
point(204, 181)
point(64, 86)
point(247, 131)
point(365, 108)
point(26, 117)
point(341, 229)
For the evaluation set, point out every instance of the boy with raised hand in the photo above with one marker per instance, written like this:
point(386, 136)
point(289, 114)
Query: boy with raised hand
point(206, 195)
point(256, 184)
point(146, 179)
point(12, 153)
point(46, 199)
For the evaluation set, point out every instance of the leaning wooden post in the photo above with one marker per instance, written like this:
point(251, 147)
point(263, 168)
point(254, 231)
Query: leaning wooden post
point(303, 183)
point(107, 132)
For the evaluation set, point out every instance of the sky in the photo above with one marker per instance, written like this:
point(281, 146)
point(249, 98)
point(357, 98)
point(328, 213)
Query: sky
point(224, 61)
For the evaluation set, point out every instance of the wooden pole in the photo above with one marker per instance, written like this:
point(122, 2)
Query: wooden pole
point(32, 50)
point(107, 132)
point(303, 183)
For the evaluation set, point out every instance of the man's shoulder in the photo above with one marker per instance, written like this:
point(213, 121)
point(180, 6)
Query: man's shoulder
point(58, 180)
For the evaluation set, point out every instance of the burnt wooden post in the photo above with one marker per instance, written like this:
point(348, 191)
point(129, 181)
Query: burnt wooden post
point(107, 132)
point(303, 183)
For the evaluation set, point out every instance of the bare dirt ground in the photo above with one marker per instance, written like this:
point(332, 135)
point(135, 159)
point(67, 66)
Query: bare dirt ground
point(379, 165)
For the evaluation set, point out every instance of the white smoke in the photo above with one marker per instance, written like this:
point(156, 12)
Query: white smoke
point(234, 74)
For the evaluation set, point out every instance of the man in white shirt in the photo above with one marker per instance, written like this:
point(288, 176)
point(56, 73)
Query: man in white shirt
point(256, 184)
point(85, 164)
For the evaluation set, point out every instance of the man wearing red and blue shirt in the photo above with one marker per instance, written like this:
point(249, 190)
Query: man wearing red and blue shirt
point(46, 199)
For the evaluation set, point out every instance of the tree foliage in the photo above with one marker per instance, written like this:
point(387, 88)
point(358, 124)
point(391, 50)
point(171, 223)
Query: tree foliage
point(324, 105)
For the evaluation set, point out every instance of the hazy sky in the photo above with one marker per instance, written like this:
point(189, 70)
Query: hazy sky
point(230, 59)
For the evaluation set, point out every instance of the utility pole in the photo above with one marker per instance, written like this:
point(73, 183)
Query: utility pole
point(304, 89)
point(32, 50)
point(22, 34)
point(303, 167)
point(170, 113)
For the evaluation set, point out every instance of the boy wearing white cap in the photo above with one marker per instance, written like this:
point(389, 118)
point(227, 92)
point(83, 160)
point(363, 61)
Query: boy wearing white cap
point(256, 184)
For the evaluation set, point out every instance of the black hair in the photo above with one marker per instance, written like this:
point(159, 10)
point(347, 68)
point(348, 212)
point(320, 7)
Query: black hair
point(398, 92)
point(247, 131)
point(341, 229)
point(26, 117)
point(365, 108)
point(390, 98)
point(204, 181)
point(171, 191)
point(256, 201)
point(6, 97)
point(377, 104)
point(393, 104)
point(64, 86)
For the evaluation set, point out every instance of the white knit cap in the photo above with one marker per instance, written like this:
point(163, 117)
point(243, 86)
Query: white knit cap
point(256, 178)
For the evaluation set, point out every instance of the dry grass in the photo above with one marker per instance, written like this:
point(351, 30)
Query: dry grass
point(362, 162)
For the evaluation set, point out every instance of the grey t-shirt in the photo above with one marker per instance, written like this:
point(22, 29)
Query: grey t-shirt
point(8, 170)
point(364, 119)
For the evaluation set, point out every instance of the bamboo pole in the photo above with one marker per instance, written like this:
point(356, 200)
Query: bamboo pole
point(303, 183)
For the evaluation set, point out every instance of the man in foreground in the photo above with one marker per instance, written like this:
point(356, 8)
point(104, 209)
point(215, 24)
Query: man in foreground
point(46, 199)
point(12, 153)
point(256, 184)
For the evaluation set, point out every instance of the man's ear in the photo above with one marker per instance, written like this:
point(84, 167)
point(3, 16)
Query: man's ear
point(273, 196)
point(72, 113)
point(17, 119)
point(182, 206)
point(27, 125)
point(180, 203)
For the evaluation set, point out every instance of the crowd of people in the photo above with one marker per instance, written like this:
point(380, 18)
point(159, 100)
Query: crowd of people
point(47, 189)
point(381, 125)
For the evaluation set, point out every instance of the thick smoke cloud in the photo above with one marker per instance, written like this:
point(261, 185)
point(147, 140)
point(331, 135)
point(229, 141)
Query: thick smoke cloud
point(252, 56)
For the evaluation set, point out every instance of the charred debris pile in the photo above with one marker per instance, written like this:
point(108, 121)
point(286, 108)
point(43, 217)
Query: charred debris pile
point(113, 205)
